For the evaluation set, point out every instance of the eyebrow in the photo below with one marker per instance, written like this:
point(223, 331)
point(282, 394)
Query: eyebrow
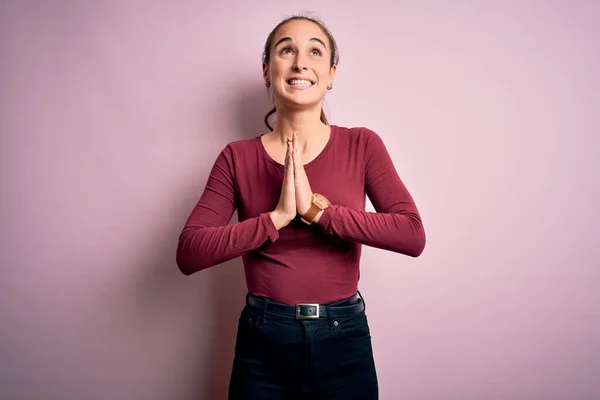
point(289, 39)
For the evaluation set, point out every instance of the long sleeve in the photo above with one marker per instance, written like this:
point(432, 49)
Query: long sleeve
point(207, 238)
point(396, 225)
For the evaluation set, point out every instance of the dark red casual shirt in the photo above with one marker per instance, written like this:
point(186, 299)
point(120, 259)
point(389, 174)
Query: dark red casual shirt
point(301, 263)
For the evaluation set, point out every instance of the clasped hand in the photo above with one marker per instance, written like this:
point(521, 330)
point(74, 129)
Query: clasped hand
point(296, 194)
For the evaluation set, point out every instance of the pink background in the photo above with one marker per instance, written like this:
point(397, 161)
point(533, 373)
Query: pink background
point(112, 113)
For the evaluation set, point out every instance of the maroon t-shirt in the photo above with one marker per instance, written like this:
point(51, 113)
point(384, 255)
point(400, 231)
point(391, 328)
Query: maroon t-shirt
point(301, 263)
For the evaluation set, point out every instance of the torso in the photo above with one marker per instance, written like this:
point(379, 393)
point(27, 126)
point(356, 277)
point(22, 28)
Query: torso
point(304, 264)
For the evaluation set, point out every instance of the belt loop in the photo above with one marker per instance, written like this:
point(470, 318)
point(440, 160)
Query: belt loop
point(329, 316)
point(362, 299)
point(264, 313)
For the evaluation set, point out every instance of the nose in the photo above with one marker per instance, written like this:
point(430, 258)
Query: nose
point(299, 63)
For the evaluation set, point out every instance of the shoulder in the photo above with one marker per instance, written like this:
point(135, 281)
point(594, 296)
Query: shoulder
point(239, 148)
point(361, 136)
point(237, 153)
point(243, 145)
point(360, 132)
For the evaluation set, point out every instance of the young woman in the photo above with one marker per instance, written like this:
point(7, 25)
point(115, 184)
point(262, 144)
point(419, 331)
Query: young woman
point(300, 193)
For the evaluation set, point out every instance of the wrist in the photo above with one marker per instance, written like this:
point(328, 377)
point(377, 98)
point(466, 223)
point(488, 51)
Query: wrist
point(319, 204)
point(306, 205)
point(318, 217)
point(278, 219)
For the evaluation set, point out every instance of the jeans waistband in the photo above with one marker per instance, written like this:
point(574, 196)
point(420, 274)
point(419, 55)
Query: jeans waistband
point(350, 306)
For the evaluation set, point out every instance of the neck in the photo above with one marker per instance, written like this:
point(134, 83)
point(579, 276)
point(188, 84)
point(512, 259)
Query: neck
point(307, 123)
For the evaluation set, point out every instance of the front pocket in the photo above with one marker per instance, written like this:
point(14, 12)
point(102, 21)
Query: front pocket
point(354, 327)
point(247, 321)
point(246, 334)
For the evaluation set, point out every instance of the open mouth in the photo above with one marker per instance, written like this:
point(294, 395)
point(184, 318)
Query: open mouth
point(300, 83)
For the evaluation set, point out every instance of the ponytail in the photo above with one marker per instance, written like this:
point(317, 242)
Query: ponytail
point(274, 110)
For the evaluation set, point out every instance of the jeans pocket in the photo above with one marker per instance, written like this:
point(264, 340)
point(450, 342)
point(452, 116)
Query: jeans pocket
point(354, 327)
point(247, 321)
point(246, 333)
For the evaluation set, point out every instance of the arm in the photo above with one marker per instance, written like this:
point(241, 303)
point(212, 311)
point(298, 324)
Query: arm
point(207, 239)
point(396, 225)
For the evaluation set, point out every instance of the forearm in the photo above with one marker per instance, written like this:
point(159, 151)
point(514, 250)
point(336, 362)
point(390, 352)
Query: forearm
point(399, 232)
point(201, 247)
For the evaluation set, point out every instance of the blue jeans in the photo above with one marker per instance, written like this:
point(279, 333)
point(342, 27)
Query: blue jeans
point(280, 357)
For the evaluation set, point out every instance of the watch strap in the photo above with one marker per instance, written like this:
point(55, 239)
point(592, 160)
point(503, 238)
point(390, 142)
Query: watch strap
point(311, 214)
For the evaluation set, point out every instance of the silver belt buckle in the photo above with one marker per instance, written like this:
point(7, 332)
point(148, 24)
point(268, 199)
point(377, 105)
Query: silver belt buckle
point(300, 316)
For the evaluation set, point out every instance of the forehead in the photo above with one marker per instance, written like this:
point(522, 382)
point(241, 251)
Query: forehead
point(300, 30)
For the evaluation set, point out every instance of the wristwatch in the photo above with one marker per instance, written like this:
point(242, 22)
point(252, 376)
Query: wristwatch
point(319, 203)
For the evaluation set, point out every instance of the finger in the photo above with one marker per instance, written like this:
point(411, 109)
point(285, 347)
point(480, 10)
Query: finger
point(288, 181)
point(296, 154)
point(292, 152)
point(289, 162)
point(295, 142)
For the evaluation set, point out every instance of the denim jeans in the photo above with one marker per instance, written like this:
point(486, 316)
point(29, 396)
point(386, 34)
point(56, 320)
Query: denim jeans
point(279, 357)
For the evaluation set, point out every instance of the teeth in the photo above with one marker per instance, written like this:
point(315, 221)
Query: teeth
point(300, 82)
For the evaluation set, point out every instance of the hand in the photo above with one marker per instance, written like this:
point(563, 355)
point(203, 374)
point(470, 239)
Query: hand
point(302, 186)
point(285, 211)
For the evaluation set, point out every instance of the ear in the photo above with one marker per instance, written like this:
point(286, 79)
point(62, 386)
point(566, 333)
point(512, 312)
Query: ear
point(332, 72)
point(265, 68)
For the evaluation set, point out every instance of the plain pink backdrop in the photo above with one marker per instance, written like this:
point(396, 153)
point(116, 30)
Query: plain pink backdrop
point(112, 113)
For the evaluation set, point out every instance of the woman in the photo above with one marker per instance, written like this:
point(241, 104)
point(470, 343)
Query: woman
point(300, 195)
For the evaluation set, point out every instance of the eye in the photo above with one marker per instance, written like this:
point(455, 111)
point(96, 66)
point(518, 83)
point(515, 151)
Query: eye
point(316, 52)
point(285, 50)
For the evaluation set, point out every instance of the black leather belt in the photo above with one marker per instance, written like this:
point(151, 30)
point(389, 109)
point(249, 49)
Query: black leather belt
point(351, 306)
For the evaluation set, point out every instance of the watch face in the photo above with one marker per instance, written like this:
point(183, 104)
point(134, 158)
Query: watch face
point(321, 201)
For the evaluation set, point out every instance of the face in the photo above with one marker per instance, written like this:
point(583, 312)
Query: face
point(299, 69)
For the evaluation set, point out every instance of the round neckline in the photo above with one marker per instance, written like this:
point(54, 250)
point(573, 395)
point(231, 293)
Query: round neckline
point(328, 145)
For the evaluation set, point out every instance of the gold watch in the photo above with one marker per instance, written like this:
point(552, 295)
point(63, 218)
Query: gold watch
point(319, 203)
